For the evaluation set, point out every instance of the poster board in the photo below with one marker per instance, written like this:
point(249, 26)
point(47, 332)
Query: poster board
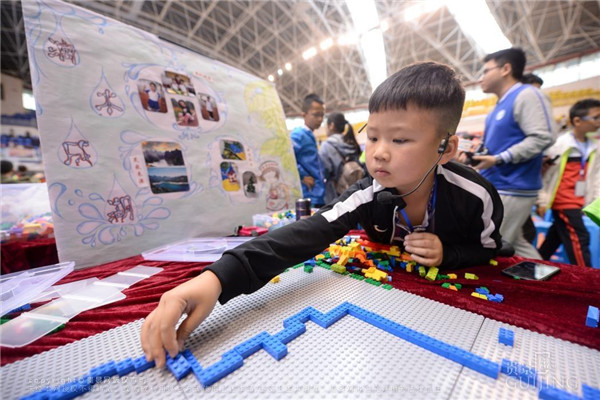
point(146, 143)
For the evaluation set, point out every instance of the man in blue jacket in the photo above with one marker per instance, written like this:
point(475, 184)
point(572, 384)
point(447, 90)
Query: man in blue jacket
point(306, 151)
point(516, 133)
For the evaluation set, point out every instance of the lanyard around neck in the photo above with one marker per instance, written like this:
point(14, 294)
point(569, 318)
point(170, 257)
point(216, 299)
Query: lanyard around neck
point(430, 207)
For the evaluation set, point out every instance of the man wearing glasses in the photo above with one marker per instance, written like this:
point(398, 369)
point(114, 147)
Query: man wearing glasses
point(516, 133)
point(572, 182)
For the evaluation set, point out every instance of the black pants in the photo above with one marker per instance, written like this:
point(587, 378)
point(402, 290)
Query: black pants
point(569, 230)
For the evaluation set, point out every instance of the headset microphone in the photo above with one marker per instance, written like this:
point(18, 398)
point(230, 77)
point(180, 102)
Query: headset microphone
point(397, 199)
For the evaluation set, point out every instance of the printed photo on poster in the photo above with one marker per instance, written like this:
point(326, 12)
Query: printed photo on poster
point(232, 150)
point(180, 84)
point(166, 167)
point(185, 113)
point(250, 180)
point(152, 95)
point(208, 107)
point(229, 177)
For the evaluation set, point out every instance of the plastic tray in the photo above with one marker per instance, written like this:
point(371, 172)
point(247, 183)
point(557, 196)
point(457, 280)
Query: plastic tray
point(207, 249)
point(20, 288)
point(30, 326)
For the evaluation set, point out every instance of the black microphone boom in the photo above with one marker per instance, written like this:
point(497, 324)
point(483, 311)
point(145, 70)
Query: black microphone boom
point(388, 198)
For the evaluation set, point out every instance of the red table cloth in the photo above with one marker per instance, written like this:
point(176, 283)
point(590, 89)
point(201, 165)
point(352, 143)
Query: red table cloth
point(19, 255)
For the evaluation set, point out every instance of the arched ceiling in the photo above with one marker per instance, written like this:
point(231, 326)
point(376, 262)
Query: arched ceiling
point(261, 36)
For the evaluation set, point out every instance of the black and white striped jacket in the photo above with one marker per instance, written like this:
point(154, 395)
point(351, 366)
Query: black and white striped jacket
point(468, 214)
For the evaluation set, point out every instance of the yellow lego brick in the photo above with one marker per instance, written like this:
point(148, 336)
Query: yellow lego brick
point(452, 276)
point(343, 259)
point(275, 279)
point(375, 274)
point(422, 271)
point(409, 267)
point(479, 296)
point(319, 257)
point(471, 276)
point(432, 274)
point(493, 262)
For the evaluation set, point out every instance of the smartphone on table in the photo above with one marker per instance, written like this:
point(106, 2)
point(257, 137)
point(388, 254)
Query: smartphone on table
point(531, 270)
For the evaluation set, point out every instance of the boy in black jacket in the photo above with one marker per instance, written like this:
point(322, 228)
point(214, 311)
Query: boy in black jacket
point(443, 213)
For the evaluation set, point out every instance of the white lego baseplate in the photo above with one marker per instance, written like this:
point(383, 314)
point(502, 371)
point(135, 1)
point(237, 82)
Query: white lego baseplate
point(350, 359)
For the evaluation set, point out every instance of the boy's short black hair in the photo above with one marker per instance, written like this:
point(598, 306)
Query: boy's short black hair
point(427, 85)
point(582, 108)
point(309, 99)
point(513, 56)
point(532, 78)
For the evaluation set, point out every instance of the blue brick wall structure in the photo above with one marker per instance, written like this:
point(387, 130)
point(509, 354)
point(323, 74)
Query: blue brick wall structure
point(294, 326)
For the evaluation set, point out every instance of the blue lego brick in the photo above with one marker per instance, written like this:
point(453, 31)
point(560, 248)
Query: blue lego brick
point(482, 291)
point(193, 361)
point(275, 348)
point(497, 298)
point(228, 363)
point(272, 345)
point(592, 317)
point(251, 346)
point(124, 367)
point(590, 393)
point(506, 336)
point(552, 393)
point(291, 332)
point(140, 364)
point(318, 318)
point(104, 371)
point(24, 307)
point(521, 372)
point(302, 317)
point(178, 366)
point(311, 262)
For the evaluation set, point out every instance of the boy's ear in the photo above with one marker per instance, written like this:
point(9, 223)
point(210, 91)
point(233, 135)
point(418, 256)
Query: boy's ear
point(451, 149)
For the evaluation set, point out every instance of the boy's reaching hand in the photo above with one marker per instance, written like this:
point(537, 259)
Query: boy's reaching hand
point(196, 298)
point(425, 248)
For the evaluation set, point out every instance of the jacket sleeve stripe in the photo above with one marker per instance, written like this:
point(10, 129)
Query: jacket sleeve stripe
point(488, 205)
point(354, 201)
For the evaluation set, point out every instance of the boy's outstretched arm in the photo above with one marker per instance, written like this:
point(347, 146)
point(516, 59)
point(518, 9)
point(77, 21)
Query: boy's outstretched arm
point(196, 298)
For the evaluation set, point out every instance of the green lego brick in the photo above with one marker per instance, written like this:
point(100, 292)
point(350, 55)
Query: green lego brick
point(387, 286)
point(340, 269)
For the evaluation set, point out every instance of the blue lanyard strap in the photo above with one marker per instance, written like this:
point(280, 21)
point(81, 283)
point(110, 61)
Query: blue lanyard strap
point(430, 207)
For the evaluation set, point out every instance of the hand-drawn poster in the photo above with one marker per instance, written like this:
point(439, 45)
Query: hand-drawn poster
point(146, 143)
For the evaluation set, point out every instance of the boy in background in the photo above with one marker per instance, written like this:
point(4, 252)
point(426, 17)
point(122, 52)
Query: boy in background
point(306, 151)
point(570, 183)
point(409, 199)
